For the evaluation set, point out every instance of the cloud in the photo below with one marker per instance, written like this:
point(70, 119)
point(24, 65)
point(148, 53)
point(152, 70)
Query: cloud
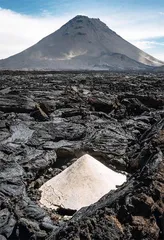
point(136, 26)
point(154, 48)
point(19, 31)
point(159, 56)
point(147, 44)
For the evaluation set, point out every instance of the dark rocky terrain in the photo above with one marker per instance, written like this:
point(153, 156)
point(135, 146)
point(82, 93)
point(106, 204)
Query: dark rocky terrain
point(48, 120)
point(83, 43)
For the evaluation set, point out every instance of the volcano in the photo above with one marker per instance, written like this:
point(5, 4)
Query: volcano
point(83, 43)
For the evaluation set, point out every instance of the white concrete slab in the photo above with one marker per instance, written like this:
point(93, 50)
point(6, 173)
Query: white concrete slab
point(81, 184)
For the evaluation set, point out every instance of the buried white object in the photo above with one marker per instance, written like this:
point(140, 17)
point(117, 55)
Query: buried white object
point(81, 184)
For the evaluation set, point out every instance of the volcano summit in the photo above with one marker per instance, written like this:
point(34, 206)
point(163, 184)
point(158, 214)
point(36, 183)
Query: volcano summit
point(82, 44)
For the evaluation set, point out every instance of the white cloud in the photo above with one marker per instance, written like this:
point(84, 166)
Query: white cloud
point(147, 44)
point(159, 56)
point(19, 32)
point(136, 26)
point(153, 48)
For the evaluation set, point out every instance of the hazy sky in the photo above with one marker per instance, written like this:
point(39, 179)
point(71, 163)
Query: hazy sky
point(25, 22)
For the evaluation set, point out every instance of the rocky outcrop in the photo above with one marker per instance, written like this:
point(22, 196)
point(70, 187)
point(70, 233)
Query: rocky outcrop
point(48, 120)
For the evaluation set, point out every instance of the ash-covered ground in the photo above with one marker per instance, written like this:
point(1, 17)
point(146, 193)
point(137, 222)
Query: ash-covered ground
point(48, 120)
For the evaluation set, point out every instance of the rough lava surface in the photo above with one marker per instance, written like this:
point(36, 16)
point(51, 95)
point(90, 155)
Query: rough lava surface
point(83, 43)
point(48, 120)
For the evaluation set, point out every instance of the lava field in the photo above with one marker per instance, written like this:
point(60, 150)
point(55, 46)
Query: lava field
point(49, 119)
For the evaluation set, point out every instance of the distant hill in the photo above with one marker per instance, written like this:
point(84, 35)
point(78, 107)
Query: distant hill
point(82, 44)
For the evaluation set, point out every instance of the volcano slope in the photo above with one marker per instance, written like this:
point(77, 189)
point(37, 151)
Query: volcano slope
point(82, 43)
point(48, 120)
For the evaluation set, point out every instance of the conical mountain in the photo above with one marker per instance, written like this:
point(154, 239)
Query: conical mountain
point(81, 184)
point(82, 43)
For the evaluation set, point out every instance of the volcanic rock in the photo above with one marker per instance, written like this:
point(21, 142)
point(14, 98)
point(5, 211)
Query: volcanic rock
point(117, 118)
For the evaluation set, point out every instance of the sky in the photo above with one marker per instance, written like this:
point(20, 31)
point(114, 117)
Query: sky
point(25, 22)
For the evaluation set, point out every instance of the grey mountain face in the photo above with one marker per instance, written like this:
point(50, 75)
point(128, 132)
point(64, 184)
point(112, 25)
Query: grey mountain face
point(82, 43)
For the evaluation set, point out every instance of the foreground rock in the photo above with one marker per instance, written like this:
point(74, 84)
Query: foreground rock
point(128, 213)
point(48, 120)
point(134, 211)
